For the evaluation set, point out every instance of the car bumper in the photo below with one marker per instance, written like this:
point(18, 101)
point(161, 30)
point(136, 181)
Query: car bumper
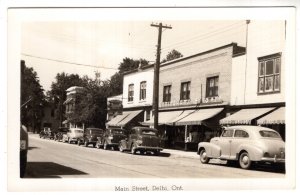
point(149, 148)
point(273, 160)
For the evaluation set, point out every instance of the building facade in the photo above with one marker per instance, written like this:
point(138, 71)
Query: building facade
point(137, 98)
point(49, 119)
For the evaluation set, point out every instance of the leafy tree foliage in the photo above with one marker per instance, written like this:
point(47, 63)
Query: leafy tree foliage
point(32, 98)
point(130, 64)
point(172, 55)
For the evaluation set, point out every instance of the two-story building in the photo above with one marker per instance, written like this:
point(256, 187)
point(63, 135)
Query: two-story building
point(137, 98)
point(193, 93)
point(258, 78)
point(73, 96)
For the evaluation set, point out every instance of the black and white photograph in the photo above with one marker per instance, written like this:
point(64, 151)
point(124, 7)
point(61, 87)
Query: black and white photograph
point(150, 99)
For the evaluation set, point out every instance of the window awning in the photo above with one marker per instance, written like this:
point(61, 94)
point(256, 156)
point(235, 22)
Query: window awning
point(245, 116)
point(275, 117)
point(164, 118)
point(117, 119)
point(196, 118)
point(129, 116)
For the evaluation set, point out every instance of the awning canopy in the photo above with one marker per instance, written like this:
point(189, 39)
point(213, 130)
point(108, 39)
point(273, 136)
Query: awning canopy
point(117, 119)
point(275, 117)
point(245, 116)
point(196, 118)
point(69, 100)
point(164, 118)
point(131, 115)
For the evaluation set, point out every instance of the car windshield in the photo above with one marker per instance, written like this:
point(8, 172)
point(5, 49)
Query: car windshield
point(78, 131)
point(148, 132)
point(270, 134)
point(116, 131)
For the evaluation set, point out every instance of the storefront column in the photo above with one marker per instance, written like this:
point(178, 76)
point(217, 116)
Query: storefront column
point(185, 138)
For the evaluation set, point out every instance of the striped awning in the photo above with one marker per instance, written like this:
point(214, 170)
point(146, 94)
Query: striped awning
point(196, 118)
point(131, 115)
point(164, 118)
point(245, 116)
point(275, 117)
point(117, 119)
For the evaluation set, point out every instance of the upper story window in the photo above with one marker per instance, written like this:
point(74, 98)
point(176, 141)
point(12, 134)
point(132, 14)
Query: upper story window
point(212, 86)
point(143, 86)
point(130, 92)
point(167, 93)
point(185, 90)
point(269, 74)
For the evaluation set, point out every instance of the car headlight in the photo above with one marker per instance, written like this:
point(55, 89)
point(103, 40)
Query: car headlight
point(139, 142)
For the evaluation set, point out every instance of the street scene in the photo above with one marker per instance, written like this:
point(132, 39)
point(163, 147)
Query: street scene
point(153, 99)
point(65, 160)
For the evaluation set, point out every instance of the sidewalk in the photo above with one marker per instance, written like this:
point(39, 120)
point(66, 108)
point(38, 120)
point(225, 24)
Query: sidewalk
point(182, 153)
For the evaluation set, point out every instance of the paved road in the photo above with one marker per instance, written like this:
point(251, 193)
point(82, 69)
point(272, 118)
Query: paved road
point(51, 159)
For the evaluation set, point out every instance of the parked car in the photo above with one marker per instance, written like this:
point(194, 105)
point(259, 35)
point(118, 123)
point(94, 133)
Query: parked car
point(244, 144)
point(142, 139)
point(58, 134)
point(23, 150)
point(73, 135)
point(90, 136)
point(47, 133)
point(111, 138)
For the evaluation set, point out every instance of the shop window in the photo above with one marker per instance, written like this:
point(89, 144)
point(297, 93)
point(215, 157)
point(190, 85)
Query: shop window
point(130, 92)
point(185, 91)
point(269, 74)
point(143, 86)
point(212, 86)
point(167, 93)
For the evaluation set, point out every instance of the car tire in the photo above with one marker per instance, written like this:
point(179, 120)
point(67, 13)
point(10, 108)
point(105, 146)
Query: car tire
point(133, 150)
point(121, 149)
point(203, 157)
point(98, 146)
point(94, 145)
point(156, 153)
point(105, 147)
point(78, 143)
point(244, 160)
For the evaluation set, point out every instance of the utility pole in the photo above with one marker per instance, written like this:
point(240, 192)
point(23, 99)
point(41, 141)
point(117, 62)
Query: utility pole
point(156, 73)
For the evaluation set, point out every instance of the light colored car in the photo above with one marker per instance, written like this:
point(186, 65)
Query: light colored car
point(245, 144)
point(73, 135)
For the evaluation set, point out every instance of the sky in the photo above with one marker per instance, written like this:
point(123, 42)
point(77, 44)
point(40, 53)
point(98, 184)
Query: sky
point(100, 46)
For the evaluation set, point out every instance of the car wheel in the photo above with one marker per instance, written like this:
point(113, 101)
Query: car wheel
point(94, 145)
point(78, 143)
point(98, 145)
point(121, 149)
point(133, 150)
point(203, 157)
point(244, 160)
point(156, 153)
point(105, 145)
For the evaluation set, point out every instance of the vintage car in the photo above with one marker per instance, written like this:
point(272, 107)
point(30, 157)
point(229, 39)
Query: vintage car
point(58, 134)
point(111, 138)
point(244, 144)
point(47, 133)
point(142, 139)
point(73, 135)
point(90, 136)
point(23, 150)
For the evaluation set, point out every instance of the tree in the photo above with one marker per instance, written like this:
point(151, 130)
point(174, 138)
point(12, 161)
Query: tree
point(57, 94)
point(130, 64)
point(172, 55)
point(32, 98)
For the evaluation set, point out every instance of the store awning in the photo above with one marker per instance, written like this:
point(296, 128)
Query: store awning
point(131, 115)
point(181, 116)
point(68, 100)
point(198, 116)
point(275, 117)
point(245, 116)
point(164, 118)
point(117, 119)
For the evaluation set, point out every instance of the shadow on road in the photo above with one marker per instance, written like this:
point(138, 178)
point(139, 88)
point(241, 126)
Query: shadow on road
point(49, 170)
point(31, 148)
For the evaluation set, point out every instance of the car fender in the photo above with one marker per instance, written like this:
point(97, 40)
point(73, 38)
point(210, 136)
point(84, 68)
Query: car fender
point(212, 150)
point(255, 153)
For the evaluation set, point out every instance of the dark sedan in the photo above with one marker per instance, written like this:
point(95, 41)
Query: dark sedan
point(111, 138)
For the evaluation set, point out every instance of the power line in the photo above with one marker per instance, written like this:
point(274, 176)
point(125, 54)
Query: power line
point(66, 62)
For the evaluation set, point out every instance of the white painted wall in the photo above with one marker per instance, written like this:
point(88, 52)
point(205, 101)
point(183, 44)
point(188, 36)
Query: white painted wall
point(264, 38)
point(136, 78)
